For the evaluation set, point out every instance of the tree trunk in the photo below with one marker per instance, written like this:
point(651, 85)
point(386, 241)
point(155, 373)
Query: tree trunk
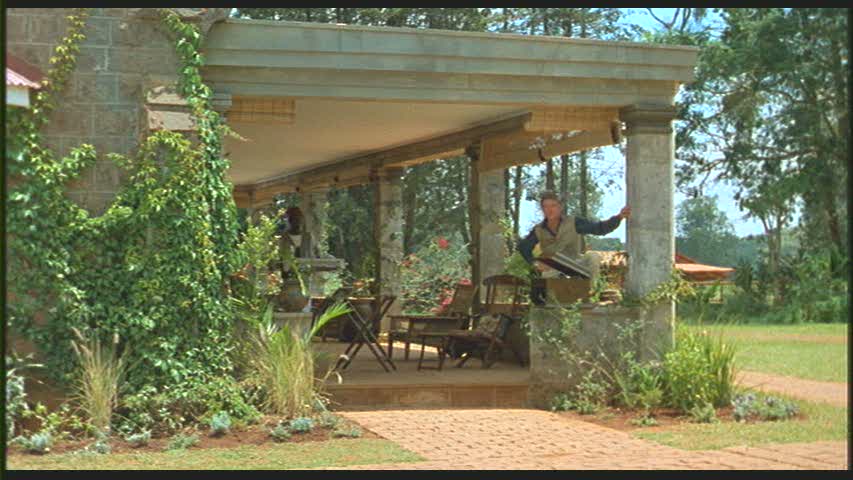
point(516, 210)
point(507, 191)
point(549, 174)
point(410, 200)
point(564, 178)
point(584, 190)
point(466, 185)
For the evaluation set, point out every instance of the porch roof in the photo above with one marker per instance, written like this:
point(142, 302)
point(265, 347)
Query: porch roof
point(322, 104)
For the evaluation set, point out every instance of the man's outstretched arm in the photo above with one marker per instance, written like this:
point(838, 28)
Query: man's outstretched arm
point(590, 227)
point(587, 227)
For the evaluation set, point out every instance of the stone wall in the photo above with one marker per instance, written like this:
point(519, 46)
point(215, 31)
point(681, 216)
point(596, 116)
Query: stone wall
point(599, 332)
point(126, 50)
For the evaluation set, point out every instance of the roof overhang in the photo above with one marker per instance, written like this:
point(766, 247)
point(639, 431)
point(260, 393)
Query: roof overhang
point(359, 97)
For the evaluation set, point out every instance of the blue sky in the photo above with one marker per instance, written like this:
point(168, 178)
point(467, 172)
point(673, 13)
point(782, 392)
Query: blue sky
point(615, 199)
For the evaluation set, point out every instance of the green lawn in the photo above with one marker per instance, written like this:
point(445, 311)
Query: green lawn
point(771, 349)
point(332, 453)
point(823, 422)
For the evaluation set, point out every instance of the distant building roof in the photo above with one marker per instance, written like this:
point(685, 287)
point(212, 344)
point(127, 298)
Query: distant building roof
point(21, 74)
point(692, 270)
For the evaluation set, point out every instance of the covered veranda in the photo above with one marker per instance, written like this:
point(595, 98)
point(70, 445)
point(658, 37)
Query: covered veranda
point(332, 106)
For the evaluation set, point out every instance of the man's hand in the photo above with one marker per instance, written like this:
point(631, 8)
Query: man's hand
point(542, 267)
point(625, 212)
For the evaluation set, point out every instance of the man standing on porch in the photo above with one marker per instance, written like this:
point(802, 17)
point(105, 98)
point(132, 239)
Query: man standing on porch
point(562, 233)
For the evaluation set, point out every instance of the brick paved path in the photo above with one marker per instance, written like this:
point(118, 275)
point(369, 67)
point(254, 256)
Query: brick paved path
point(535, 439)
point(834, 393)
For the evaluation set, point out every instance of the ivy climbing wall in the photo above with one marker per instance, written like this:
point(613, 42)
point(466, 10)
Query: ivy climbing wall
point(126, 52)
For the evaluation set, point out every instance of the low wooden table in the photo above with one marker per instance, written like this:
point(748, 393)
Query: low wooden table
point(417, 325)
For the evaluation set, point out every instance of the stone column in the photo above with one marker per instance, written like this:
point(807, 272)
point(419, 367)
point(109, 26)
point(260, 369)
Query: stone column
point(314, 204)
point(388, 235)
point(486, 208)
point(650, 239)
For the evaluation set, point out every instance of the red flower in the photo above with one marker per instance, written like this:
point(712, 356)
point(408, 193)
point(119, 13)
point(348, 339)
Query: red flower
point(443, 243)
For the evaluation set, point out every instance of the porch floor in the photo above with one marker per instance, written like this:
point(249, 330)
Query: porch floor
point(365, 384)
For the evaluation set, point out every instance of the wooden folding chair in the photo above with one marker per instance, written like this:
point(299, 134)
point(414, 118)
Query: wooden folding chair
point(502, 307)
point(366, 329)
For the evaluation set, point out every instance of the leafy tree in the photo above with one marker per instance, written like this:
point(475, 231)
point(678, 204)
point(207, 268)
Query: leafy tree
point(704, 232)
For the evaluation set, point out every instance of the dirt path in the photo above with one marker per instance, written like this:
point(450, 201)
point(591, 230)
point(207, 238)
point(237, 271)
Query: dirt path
point(535, 439)
point(834, 393)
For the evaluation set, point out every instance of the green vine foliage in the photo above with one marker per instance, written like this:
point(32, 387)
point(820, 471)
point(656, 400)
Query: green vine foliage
point(153, 267)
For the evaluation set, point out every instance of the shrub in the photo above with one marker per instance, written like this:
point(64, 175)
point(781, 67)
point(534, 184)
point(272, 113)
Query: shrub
point(644, 420)
point(429, 275)
point(101, 447)
point(60, 423)
point(639, 385)
point(220, 424)
point(99, 379)
point(16, 396)
point(561, 403)
point(328, 420)
point(347, 432)
point(182, 442)
point(751, 406)
point(699, 370)
point(280, 433)
point(138, 440)
point(301, 425)
point(168, 410)
point(703, 414)
point(38, 443)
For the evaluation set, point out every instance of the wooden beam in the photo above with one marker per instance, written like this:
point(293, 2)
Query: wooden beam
point(495, 155)
point(565, 119)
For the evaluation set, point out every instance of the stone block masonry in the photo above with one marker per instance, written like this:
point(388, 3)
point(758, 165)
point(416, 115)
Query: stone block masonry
point(104, 102)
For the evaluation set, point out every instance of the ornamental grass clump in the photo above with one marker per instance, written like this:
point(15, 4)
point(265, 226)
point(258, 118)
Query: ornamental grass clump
point(99, 379)
point(699, 370)
point(283, 364)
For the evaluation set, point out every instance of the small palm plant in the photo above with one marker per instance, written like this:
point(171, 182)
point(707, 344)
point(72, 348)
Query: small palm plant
point(99, 379)
point(284, 364)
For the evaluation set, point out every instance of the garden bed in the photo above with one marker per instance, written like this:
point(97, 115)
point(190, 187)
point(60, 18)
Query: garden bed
point(251, 435)
point(666, 418)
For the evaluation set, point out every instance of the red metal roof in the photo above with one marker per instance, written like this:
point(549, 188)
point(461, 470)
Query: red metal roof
point(693, 270)
point(21, 74)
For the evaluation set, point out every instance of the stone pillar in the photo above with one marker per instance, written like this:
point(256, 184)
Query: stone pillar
point(388, 235)
point(650, 239)
point(486, 208)
point(314, 204)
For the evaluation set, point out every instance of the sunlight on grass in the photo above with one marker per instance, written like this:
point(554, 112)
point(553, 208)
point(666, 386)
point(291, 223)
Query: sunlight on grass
point(823, 422)
point(332, 453)
point(764, 348)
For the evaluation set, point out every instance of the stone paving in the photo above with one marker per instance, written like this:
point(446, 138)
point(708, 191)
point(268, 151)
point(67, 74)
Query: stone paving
point(536, 440)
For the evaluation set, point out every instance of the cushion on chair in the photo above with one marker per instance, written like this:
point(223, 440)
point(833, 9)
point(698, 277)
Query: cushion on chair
point(488, 324)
